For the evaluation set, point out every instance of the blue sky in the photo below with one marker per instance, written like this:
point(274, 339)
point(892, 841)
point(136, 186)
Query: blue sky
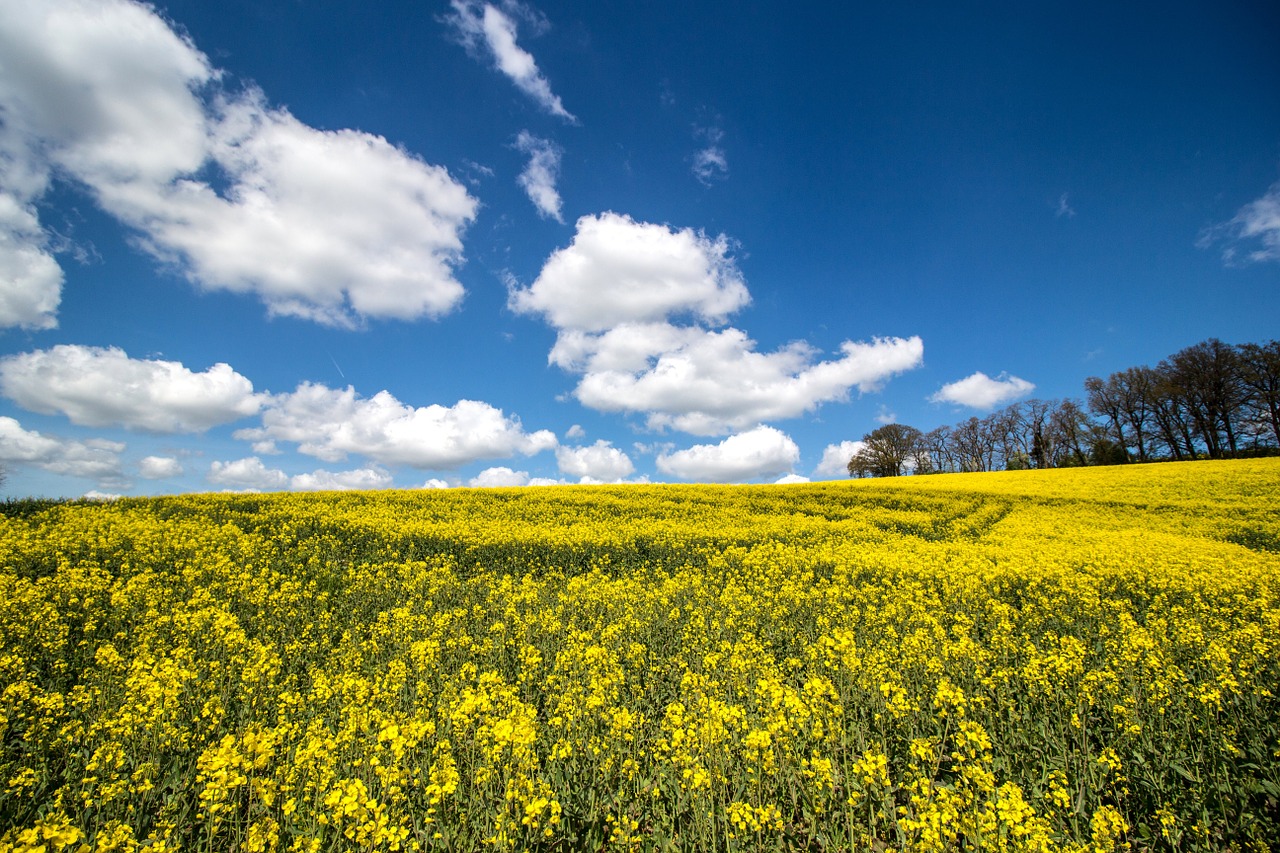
point(305, 245)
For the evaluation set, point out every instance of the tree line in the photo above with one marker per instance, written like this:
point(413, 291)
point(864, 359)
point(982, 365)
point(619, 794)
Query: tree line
point(1211, 400)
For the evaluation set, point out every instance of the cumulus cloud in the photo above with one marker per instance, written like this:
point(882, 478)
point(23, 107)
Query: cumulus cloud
point(1258, 222)
point(435, 483)
point(499, 477)
point(30, 278)
point(93, 386)
point(538, 179)
point(483, 27)
point(597, 463)
point(760, 452)
point(247, 474)
point(250, 474)
point(330, 423)
point(835, 459)
point(159, 467)
point(328, 481)
point(789, 479)
point(332, 226)
point(617, 270)
point(94, 459)
point(980, 391)
point(708, 382)
point(325, 225)
point(107, 85)
point(613, 295)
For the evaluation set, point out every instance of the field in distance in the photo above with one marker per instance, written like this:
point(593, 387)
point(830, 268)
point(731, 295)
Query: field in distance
point(1073, 659)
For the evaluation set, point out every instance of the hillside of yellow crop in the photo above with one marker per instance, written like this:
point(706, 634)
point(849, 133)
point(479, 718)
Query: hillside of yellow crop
point(1075, 660)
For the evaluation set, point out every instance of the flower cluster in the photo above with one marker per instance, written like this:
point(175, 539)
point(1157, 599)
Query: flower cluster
point(1069, 660)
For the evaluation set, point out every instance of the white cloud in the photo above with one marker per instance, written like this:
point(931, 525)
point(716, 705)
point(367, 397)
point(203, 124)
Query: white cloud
point(618, 270)
point(980, 391)
point(499, 477)
point(835, 459)
point(600, 462)
point(94, 459)
point(330, 423)
point(30, 278)
point(1259, 221)
point(249, 474)
point(761, 452)
point(107, 86)
point(361, 478)
point(102, 387)
point(331, 226)
point(575, 431)
point(435, 483)
point(710, 162)
point(711, 382)
point(323, 225)
point(252, 475)
point(788, 479)
point(611, 296)
point(538, 179)
point(478, 23)
point(159, 467)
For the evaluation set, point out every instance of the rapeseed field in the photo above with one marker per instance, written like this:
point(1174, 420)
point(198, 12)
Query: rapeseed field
point(1068, 660)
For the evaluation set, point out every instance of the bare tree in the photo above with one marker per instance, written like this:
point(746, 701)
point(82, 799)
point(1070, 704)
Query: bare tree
point(1030, 432)
point(1133, 387)
point(1069, 427)
point(936, 444)
point(1105, 401)
point(1208, 375)
point(1260, 373)
point(1171, 413)
point(974, 445)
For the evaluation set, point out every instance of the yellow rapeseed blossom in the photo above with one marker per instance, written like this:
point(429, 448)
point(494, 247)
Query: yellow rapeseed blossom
point(1072, 660)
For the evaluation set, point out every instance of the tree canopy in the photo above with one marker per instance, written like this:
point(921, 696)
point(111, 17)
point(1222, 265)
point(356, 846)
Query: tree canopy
point(886, 452)
point(1210, 400)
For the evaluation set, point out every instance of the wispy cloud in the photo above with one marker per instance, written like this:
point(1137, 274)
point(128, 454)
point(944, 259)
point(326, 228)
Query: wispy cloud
point(1064, 207)
point(710, 162)
point(538, 179)
point(485, 24)
point(1257, 223)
